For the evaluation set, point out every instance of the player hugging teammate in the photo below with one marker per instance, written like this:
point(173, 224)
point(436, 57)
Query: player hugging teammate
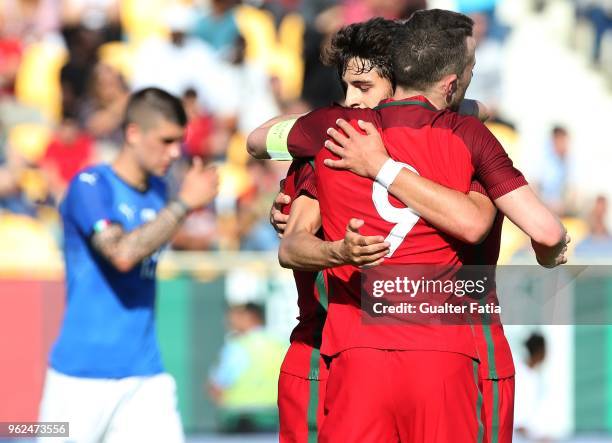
point(385, 383)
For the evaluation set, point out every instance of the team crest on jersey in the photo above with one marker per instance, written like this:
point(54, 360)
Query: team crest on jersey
point(147, 214)
point(88, 178)
point(126, 210)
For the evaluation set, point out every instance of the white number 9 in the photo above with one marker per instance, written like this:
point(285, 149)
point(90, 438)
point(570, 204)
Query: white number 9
point(404, 218)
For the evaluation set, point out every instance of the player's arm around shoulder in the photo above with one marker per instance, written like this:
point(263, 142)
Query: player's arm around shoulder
point(511, 194)
point(466, 217)
point(269, 141)
point(302, 250)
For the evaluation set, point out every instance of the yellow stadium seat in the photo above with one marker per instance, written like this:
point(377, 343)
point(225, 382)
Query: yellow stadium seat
point(34, 185)
point(234, 180)
point(280, 52)
point(508, 137)
point(513, 240)
point(30, 140)
point(142, 19)
point(288, 64)
point(38, 79)
point(257, 28)
point(289, 68)
point(577, 229)
point(291, 33)
point(236, 150)
point(118, 55)
point(27, 247)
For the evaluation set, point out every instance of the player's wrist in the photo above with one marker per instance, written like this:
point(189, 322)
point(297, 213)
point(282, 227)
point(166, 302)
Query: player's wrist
point(337, 252)
point(179, 207)
point(376, 164)
point(388, 173)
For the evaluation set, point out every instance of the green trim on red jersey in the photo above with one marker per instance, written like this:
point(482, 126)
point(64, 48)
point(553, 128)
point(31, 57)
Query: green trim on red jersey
point(488, 336)
point(321, 289)
point(313, 399)
point(323, 296)
point(495, 414)
point(406, 103)
point(478, 405)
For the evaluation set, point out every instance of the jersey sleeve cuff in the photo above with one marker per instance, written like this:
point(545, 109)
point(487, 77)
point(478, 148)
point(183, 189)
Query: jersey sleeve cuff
point(101, 225)
point(477, 187)
point(506, 187)
point(308, 188)
point(276, 141)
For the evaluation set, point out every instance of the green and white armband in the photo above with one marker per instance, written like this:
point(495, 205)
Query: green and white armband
point(276, 142)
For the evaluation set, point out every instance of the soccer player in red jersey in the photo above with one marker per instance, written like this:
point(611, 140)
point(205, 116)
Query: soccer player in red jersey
point(353, 355)
point(361, 54)
point(301, 383)
point(496, 367)
point(303, 372)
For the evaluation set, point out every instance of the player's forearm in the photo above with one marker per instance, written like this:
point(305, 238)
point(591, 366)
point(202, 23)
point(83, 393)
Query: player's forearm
point(257, 139)
point(126, 250)
point(303, 251)
point(446, 209)
point(527, 212)
point(547, 233)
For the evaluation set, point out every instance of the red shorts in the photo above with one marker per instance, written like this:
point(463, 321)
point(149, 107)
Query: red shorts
point(402, 396)
point(498, 409)
point(300, 407)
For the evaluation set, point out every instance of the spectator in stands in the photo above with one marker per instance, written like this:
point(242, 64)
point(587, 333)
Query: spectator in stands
point(8, 179)
point(29, 19)
point(256, 233)
point(320, 82)
point(104, 111)
point(244, 383)
point(599, 12)
point(183, 63)
point(248, 79)
point(362, 10)
point(83, 44)
point(199, 231)
point(218, 27)
point(98, 15)
point(11, 49)
point(70, 150)
point(553, 171)
point(12, 166)
point(528, 388)
point(599, 241)
point(200, 127)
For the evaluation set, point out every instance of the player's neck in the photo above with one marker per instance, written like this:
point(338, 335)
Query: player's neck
point(129, 171)
point(401, 93)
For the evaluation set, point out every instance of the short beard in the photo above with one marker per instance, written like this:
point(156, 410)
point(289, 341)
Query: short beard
point(457, 99)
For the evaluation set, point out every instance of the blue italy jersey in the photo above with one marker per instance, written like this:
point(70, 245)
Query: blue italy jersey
point(109, 323)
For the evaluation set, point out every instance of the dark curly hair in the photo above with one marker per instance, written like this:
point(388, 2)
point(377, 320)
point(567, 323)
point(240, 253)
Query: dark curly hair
point(369, 42)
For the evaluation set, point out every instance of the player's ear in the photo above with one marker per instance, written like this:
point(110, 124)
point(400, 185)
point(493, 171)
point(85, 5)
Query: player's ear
point(132, 134)
point(448, 85)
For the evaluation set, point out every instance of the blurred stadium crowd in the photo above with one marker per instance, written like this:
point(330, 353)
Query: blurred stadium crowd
point(67, 67)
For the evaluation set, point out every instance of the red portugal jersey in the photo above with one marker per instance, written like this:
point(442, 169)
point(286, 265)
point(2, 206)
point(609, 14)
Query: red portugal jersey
point(439, 145)
point(493, 348)
point(302, 358)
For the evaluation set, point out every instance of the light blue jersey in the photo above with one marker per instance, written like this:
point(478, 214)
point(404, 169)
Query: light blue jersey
point(109, 323)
